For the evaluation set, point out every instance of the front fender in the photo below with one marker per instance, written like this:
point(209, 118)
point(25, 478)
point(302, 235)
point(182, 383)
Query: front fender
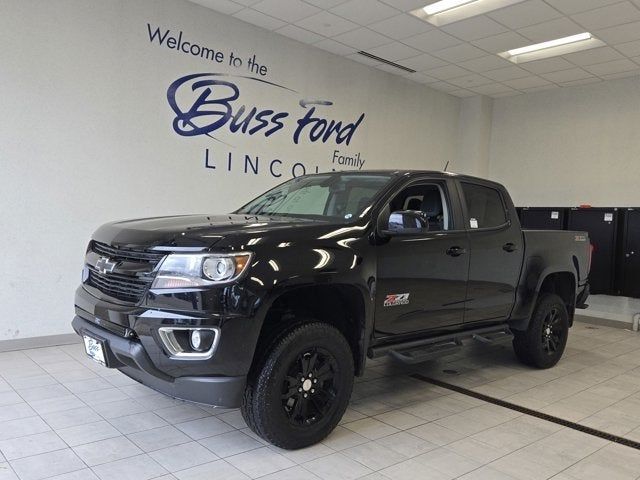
point(346, 265)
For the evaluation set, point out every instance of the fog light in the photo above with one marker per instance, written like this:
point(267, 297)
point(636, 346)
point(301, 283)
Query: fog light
point(196, 340)
point(189, 342)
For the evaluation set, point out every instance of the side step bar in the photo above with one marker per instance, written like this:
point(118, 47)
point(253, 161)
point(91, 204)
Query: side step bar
point(416, 351)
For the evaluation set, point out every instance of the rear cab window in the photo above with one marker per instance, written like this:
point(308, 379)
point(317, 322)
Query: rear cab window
point(484, 205)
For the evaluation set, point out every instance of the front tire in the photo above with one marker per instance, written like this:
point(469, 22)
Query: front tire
point(543, 343)
point(301, 387)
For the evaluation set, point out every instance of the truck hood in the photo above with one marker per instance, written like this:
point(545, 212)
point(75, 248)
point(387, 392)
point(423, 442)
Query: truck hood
point(193, 231)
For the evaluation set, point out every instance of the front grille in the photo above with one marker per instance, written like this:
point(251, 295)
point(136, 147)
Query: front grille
point(123, 287)
point(126, 254)
point(131, 275)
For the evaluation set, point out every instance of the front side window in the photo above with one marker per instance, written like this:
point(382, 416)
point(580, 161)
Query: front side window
point(427, 198)
point(332, 197)
point(485, 208)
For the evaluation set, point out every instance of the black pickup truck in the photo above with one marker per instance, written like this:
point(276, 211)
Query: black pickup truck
point(275, 307)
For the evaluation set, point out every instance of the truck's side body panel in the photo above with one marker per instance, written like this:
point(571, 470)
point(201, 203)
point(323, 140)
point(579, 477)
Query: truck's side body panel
point(549, 252)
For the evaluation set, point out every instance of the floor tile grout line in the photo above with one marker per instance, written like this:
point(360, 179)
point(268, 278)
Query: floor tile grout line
point(534, 413)
point(56, 434)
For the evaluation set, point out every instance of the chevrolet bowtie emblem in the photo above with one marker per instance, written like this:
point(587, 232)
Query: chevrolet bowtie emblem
point(105, 265)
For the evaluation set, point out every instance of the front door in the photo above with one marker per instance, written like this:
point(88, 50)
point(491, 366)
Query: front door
point(422, 278)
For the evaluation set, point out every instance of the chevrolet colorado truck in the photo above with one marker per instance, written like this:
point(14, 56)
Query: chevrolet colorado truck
point(276, 307)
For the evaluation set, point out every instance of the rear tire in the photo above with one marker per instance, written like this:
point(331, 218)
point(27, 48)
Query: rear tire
point(543, 343)
point(298, 391)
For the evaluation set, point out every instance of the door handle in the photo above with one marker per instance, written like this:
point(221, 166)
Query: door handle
point(456, 251)
point(509, 247)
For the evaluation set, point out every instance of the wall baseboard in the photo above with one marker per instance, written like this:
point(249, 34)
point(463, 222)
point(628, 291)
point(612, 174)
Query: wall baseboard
point(603, 322)
point(39, 342)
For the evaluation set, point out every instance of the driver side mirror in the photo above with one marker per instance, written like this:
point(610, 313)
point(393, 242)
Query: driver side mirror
point(406, 222)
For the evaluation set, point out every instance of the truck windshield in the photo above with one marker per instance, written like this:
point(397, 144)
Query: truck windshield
point(323, 197)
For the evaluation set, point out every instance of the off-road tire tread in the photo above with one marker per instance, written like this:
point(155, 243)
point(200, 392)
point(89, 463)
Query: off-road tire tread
point(255, 407)
point(526, 344)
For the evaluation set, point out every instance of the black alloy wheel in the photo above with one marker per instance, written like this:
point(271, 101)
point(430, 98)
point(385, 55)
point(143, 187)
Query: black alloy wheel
point(552, 331)
point(309, 390)
point(300, 385)
point(545, 339)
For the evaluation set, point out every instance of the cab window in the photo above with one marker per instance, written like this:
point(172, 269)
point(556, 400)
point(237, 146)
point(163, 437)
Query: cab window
point(485, 208)
point(428, 198)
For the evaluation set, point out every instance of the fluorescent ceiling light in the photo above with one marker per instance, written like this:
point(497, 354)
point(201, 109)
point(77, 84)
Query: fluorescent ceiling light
point(552, 48)
point(444, 5)
point(444, 12)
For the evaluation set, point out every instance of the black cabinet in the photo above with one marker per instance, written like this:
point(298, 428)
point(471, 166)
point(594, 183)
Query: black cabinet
point(602, 225)
point(629, 254)
point(543, 218)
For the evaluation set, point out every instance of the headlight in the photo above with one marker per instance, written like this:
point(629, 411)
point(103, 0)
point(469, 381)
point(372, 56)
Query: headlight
point(200, 270)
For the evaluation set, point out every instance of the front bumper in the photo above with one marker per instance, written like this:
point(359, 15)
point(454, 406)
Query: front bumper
point(130, 357)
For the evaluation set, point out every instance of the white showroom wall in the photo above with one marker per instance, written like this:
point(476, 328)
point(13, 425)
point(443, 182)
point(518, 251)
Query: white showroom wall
point(572, 146)
point(569, 146)
point(87, 133)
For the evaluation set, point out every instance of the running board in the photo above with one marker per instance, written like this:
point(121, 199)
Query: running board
point(427, 352)
point(416, 351)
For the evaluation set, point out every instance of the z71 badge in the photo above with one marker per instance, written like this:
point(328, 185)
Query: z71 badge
point(396, 299)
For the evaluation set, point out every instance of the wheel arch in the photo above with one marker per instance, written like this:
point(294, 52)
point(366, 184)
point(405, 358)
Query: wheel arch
point(340, 305)
point(561, 282)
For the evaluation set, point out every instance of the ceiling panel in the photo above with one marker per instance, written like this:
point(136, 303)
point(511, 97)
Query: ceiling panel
point(401, 26)
point(327, 24)
point(508, 73)
point(501, 42)
point(609, 16)
point(475, 28)
point(433, 40)
point(630, 49)
point(608, 68)
point(460, 53)
point(486, 63)
point(259, 19)
point(223, 6)
point(566, 75)
point(615, 76)
point(299, 34)
point(422, 62)
point(620, 34)
point(547, 65)
point(394, 51)
point(525, 14)
point(473, 80)
point(591, 57)
point(362, 38)
point(460, 58)
point(364, 12)
point(575, 6)
point(286, 10)
point(334, 47)
point(406, 5)
point(558, 28)
point(446, 72)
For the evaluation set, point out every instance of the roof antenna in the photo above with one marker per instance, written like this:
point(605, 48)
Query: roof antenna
point(446, 166)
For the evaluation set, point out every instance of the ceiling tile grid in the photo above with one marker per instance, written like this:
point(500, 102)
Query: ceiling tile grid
point(460, 58)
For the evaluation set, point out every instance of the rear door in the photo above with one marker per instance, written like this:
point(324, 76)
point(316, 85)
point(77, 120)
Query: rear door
point(495, 250)
point(422, 278)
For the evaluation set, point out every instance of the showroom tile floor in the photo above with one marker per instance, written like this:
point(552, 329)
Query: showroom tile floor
point(62, 416)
